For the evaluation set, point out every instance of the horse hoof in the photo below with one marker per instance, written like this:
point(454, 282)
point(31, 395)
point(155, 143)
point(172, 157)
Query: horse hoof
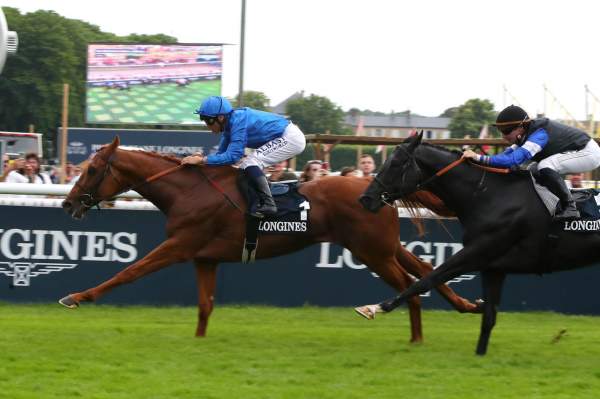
point(69, 302)
point(367, 311)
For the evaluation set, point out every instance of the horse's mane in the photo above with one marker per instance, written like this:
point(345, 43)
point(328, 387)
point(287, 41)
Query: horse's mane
point(170, 158)
point(442, 148)
point(425, 199)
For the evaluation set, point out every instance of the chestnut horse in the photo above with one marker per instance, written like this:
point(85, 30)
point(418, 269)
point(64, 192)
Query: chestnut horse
point(206, 224)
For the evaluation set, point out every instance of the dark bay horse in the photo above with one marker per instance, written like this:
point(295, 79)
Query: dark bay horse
point(504, 222)
point(206, 224)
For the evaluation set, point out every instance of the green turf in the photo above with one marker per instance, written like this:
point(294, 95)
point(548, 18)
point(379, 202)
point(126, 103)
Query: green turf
point(157, 103)
point(260, 352)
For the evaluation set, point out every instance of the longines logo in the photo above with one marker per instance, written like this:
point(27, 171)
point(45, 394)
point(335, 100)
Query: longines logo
point(22, 272)
point(31, 253)
point(76, 147)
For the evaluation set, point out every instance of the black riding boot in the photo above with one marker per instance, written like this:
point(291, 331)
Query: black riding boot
point(555, 183)
point(266, 204)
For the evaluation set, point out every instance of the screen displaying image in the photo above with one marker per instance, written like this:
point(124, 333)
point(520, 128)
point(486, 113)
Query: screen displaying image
point(150, 83)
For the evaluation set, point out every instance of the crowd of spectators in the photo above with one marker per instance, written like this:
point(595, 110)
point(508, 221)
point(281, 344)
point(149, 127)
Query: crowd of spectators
point(28, 170)
point(315, 169)
point(280, 172)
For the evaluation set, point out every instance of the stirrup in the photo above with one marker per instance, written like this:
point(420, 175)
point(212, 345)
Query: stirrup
point(569, 213)
point(263, 211)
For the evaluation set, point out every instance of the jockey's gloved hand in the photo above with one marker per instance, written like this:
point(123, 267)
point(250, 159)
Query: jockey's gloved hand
point(194, 160)
point(470, 154)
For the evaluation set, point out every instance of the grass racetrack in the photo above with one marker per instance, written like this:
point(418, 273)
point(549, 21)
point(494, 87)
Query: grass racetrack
point(262, 352)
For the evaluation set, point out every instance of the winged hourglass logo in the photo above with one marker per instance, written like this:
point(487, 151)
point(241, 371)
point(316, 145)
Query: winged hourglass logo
point(22, 272)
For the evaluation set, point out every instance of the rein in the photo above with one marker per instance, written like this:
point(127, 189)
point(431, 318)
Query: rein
point(385, 196)
point(440, 172)
point(220, 189)
point(88, 199)
point(490, 169)
point(456, 163)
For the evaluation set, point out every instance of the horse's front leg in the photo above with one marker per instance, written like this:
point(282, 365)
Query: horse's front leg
point(206, 279)
point(167, 253)
point(491, 283)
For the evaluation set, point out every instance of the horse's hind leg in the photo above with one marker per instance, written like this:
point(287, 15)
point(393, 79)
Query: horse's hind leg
point(492, 290)
point(419, 268)
point(206, 279)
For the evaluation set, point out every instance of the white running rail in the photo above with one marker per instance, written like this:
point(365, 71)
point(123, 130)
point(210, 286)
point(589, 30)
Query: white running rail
point(20, 194)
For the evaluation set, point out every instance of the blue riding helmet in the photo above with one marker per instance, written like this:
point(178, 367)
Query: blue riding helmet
point(214, 106)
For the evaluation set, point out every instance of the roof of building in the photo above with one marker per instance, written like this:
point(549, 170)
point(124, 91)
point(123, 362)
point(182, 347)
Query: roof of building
point(408, 121)
point(280, 108)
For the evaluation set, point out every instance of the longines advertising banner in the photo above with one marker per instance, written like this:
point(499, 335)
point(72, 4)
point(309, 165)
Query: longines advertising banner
point(83, 142)
point(44, 255)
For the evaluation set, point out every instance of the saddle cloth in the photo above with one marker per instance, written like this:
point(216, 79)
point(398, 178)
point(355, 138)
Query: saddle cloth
point(587, 202)
point(292, 209)
point(291, 217)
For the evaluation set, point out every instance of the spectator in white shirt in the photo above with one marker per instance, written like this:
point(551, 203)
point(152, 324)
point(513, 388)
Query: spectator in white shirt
point(29, 173)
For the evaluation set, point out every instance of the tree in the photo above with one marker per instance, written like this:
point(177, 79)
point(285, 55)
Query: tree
point(470, 117)
point(449, 113)
point(154, 39)
point(316, 114)
point(253, 99)
point(52, 51)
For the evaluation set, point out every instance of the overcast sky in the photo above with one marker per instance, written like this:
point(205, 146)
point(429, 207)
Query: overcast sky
point(422, 55)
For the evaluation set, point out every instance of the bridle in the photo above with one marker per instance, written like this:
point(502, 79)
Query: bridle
point(388, 196)
point(90, 198)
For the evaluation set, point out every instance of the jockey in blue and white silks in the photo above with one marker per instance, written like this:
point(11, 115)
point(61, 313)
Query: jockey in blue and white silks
point(558, 149)
point(272, 137)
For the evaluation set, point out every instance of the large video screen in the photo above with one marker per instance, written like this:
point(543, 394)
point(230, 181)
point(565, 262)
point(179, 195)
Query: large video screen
point(150, 83)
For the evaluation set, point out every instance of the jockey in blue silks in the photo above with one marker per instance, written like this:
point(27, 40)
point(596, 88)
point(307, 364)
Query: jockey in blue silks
point(558, 149)
point(272, 137)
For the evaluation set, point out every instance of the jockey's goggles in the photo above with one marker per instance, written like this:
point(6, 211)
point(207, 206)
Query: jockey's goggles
point(506, 130)
point(209, 120)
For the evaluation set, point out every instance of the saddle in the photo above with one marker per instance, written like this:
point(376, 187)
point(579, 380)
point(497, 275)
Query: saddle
point(586, 200)
point(291, 217)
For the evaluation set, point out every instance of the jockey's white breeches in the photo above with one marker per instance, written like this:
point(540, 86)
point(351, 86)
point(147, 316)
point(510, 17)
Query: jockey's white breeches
point(584, 160)
point(290, 144)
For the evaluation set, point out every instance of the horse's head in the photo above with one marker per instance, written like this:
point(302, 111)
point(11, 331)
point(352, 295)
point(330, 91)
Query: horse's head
point(96, 183)
point(399, 176)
